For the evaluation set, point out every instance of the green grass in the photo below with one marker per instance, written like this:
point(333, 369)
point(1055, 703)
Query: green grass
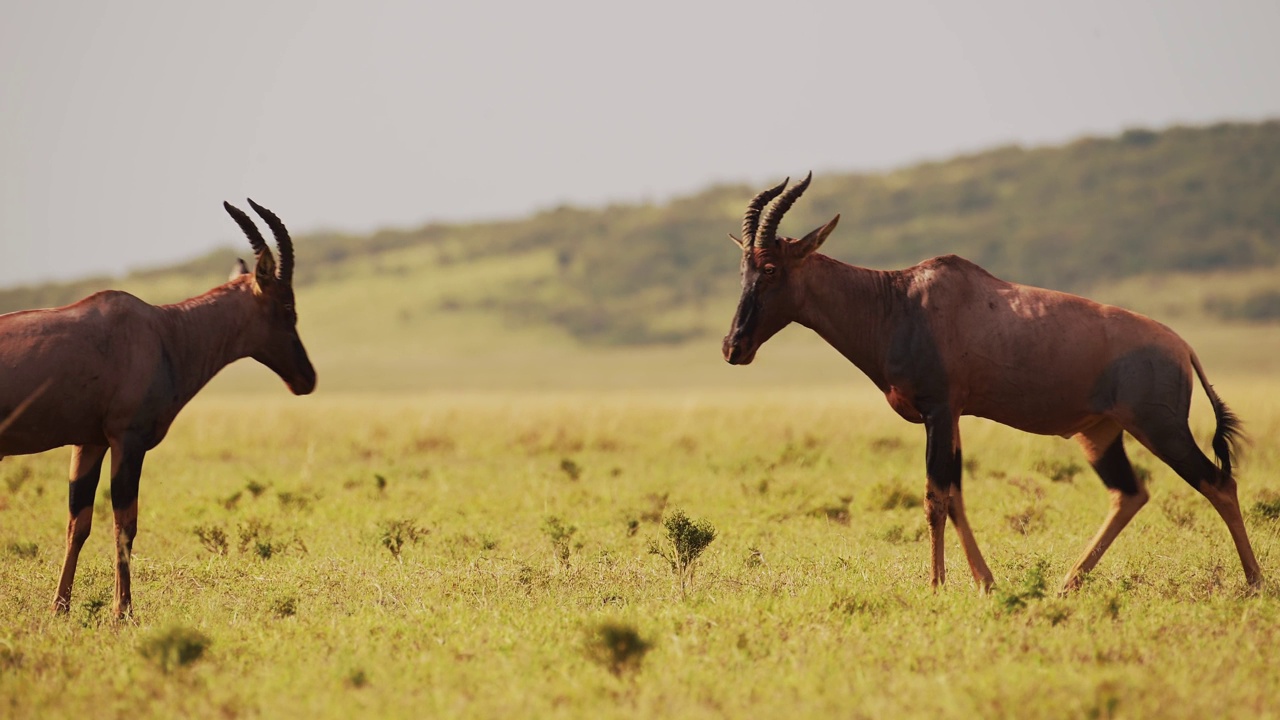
point(811, 601)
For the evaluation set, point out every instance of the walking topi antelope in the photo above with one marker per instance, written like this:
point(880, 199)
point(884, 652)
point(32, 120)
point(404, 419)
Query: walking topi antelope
point(112, 372)
point(945, 338)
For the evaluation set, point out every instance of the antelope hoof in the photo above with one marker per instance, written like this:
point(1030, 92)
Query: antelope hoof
point(1071, 585)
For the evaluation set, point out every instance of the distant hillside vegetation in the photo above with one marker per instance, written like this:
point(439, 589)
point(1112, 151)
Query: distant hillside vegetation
point(1184, 199)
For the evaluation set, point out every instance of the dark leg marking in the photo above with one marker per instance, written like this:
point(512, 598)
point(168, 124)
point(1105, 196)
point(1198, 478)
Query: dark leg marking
point(1114, 468)
point(124, 500)
point(86, 468)
point(943, 467)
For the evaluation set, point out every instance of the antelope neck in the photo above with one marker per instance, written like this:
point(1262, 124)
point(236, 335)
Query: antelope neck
point(852, 308)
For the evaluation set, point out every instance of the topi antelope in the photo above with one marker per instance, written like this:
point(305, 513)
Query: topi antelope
point(945, 338)
point(112, 372)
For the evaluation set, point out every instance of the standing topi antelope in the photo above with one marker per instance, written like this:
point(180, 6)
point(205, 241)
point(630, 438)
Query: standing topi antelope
point(113, 372)
point(945, 338)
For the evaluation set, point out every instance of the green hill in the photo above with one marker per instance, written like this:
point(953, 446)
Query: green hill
point(1091, 215)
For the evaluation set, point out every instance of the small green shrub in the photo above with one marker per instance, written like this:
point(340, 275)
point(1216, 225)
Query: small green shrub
point(893, 496)
point(213, 538)
point(571, 468)
point(356, 678)
point(25, 550)
point(284, 606)
point(232, 500)
point(257, 537)
point(858, 605)
point(294, 501)
point(1027, 520)
point(899, 534)
point(1059, 471)
point(95, 609)
point(836, 512)
point(685, 540)
point(174, 647)
point(253, 532)
point(561, 536)
point(398, 533)
point(617, 647)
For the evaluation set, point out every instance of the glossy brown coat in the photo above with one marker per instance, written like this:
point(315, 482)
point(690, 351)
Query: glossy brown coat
point(945, 338)
point(112, 372)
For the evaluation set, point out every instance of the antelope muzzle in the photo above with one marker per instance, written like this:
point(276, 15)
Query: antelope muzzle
point(739, 346)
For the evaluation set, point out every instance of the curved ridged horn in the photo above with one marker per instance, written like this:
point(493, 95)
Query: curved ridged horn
point(751, 220)
point(283, 242)
point(250, 230)
point(768, 233)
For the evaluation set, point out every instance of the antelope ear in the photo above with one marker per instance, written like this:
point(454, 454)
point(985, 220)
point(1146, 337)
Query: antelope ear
point(811, 242)
point(238, 269)
point(264, 272)
point(736, 241)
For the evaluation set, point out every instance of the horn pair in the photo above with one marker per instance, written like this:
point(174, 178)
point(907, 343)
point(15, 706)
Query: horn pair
point(259, 245)
point(765, 211)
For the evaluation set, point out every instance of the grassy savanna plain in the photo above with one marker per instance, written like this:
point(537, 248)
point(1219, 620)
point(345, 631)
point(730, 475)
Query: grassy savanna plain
point(454, 548)
point(472, 494)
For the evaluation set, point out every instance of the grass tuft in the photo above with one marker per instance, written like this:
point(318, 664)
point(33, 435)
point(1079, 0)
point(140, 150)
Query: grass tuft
point(1267, 506)
point(1033, 588)
point(396, 534)
point(25, 550)
point(836, 512)
point(174, 647)
point(893, 496)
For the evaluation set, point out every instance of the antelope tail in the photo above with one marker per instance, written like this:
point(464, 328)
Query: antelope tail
point(1230, 432)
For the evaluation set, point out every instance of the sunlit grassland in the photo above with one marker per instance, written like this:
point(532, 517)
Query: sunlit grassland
point(811, 601)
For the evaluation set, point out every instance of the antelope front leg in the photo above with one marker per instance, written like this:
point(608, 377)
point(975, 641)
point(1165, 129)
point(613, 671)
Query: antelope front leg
point(126, 471)
point(977, 565)
point(86, 468)
point(942, 464)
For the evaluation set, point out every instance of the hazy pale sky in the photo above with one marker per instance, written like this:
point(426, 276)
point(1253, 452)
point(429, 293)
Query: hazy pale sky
point(123, 125)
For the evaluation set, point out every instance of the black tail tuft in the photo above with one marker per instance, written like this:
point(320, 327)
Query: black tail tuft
point(1230, 433)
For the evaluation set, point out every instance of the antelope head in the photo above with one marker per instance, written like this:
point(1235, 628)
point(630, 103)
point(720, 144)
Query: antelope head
point(275, 341)
point(771, 293)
